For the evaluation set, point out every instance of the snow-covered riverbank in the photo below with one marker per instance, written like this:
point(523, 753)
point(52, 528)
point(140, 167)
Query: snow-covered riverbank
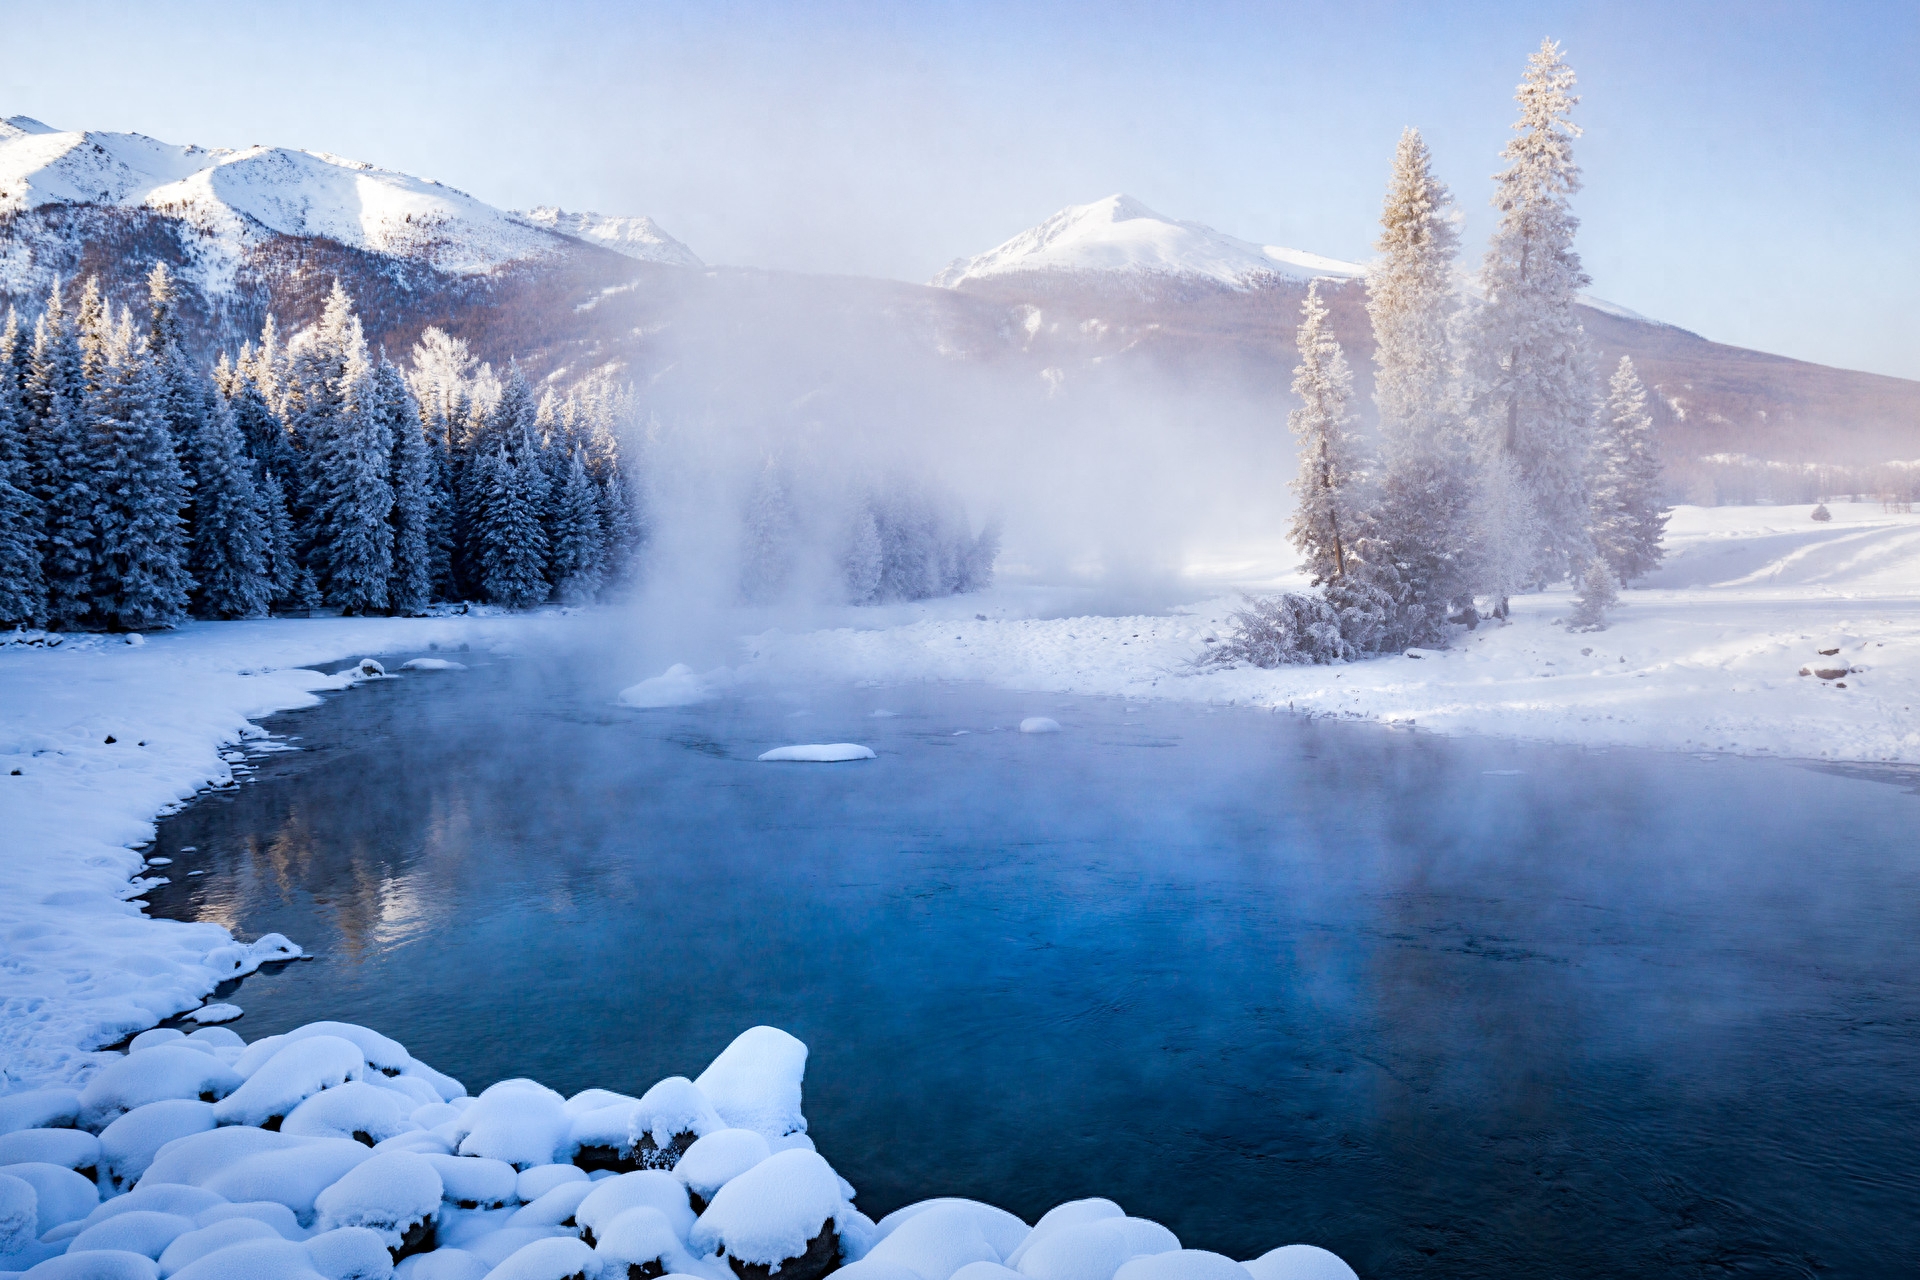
point(1704, 656)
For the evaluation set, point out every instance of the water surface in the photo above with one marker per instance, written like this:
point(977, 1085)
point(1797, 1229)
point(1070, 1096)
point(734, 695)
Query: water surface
point(1447, 1007)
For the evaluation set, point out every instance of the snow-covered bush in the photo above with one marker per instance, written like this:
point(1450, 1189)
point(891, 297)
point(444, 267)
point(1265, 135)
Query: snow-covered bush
point(1821, 513)
point(1282, 630)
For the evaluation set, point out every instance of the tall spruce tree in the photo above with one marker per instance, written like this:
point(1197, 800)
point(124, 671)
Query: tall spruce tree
point(1530, 371)
point(232, 525)
point(1416, 543)
point(512, 545)
point(349, 465)
point(578, 539)
point(1325, 490)
point(61, 453)
point(411, 468)
point(23, 587)
point(1628, 514)
point(141, 579)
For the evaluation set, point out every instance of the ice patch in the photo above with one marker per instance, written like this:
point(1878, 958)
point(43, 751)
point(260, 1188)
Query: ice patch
point(820, 753)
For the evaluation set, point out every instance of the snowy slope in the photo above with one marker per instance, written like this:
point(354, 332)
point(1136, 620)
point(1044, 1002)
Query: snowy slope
point(635, 237)
point(1119, 234)
point(237, 198)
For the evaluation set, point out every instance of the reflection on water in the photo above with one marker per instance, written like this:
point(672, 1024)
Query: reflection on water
point(1449, 1008)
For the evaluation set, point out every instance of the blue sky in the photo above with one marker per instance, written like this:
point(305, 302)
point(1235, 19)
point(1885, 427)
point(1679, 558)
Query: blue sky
point(1753, 169)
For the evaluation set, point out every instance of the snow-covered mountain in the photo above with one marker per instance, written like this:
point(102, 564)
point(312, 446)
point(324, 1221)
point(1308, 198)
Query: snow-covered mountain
point(1122, 236)
point(236, 200)
point(636, 237)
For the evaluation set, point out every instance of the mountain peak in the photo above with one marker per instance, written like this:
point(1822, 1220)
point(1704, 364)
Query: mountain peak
point(1119, 234)
point(631, 235)
point(22, 126)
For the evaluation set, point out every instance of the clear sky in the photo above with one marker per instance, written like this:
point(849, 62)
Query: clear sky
point(1753, 168)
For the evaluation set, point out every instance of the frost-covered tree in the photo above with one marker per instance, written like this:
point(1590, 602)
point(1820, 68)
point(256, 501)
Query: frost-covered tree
point(23, 587)
point(140, 577)
point(1416, 544)
point(1599, 592)
point(1325, 489)
point(232, 548)
point(290, 583)
point(1506, 533)
point(578, 538)
point(769, 536)
point(349, 492)
point(61, 453)
point(411, 468)
point(1530, 373)
point(512, 547)
point(1628, 512)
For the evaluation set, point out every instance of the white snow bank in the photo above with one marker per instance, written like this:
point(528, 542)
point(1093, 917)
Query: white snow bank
point(677, 686)
point(96, 738)
point(820, 753)
point(1705, 655)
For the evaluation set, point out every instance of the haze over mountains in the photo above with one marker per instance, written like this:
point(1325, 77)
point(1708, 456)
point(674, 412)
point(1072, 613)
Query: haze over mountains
point(1107, 294)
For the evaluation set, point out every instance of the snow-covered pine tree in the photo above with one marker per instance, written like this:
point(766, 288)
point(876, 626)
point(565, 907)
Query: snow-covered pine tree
point(348, 463)
point(578, 538)
point(1416, 544)
point(62, 457)
point(140, 577)
point(231, 537)
point(1324, 492)
point(768, 537)
point(1629, 516)
point(1530, 373)
point(411, 468)
point(512, 546)
point(1506, 533)
point(862, 560)
point(23, 587)
point(291, 584)
point(1599, 592)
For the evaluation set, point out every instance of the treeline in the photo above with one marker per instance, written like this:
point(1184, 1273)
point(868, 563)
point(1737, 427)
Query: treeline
point(1503, 463)
point(139, 487)
point(1737, 479)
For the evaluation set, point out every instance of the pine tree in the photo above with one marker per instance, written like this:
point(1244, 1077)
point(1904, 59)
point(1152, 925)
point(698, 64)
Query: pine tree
point(512, 545)
point(140, 579)
point(1324, 492)
point(1599, 592)
point(291, 585)
point(23, 587)
point(349, 490)
point(1507, 533)
point(1629, 517)
point(861, 561)
point(767, 545)
point(410, 586)
point(232, 535)
point(1416, 544)
point(578, 540)
point(62, 459)
point(1531, 374)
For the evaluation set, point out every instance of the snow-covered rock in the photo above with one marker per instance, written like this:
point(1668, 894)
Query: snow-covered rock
point(678, 686)
point(144, 1231)
point(39, 1109)
point(755, 1082)
point(519, 1122)
point(394, 1193)
point(667, 1120)
point(719, 1157)
point(1121, 235)
point(644, 1188)
point(163, 1072)
point(128, 1145)
point(191, 1246)
point(350, 1253)
point(781, 1211)
point(819, 753)
point(474, 1181)
point(296, 1071)
point(1299, 1262)
point(350, 1110)
point(69, 1148)
point(1039, 724)
point(642, 1237)
point(60, 1195)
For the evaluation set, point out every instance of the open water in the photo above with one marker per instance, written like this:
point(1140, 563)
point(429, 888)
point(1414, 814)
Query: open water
point(1446, 1007)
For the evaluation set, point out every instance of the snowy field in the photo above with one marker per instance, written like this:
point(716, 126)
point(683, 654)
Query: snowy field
point(1704, 655)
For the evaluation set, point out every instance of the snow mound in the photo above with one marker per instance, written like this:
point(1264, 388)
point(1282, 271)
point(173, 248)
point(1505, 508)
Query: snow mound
point(167, 1071)
point(518, 1122)
point(641, 1236)
point(350, 1253)
point(819, 753)
point(1119, 235)
point(128, 1145)
point(295, 1072)
point(191, 1246)
point(674, 1112)
point(60, 1195)
point(1182, 1264)
point(392, 1192)
point(143, 1231)
point(19, 1214)
point(474, 1181)
point(1299, 1262)
point(39, 1109)
point(772, 1211)
point(432, 664)
point(97, 1265)
point(645, 1188)
point(677, 686)
point(350, 1110)
point(1039, 724)
point(68, 1148)
point(633, 237)
point(755, 1082)
point(210, 1014)
point(556, 1258)
point(718, 1158)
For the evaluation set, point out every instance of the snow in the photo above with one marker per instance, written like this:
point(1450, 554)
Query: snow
point(474, 1180)
point(755, 1082)
point(294, 1073)
point(557, 1258)
point(771, 1211)
point(97, 1265)
point(1300, 1262)
point(154, 1075)
point(142, 1231)
point(819, 753)
point(390, 1193)
point(350, 1253)
point(352, 1108)
point(677, 686)
point(1039, 724)
point(639, 1236)
point(61, 1194)
point(215, 1013)
point(68, 1148)
point(432, 664)
point(19, 1213)
point(1703, 655)
point(234, 197)
point(128, 1145)
point(648, 1188)
point(85, 966)
point(670, 1108)
point(537, 1182)
point(518, 1122)
point(194, 1245)
point(634, 237)
point(1119, 234)
point(719, 1157)
point(1182, 1264)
